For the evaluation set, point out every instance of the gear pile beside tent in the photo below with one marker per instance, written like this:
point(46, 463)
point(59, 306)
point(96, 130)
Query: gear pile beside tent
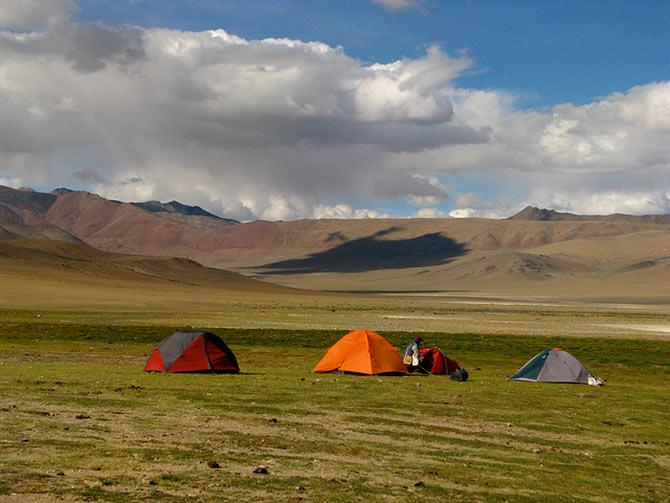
point(434, 361)
point(555, 366)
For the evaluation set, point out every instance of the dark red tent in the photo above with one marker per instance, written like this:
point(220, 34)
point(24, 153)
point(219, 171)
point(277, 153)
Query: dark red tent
point(434, 361)
point(192, 352)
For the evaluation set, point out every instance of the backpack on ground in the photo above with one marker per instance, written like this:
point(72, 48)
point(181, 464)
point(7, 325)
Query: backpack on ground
point(460, 375)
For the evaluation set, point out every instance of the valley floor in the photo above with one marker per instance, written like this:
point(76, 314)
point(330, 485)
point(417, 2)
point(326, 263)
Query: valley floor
point(453, 314)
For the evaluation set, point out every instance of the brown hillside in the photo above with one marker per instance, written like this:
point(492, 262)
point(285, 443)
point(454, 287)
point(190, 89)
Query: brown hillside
point(55, 272)
point(534, 213)
point(331, 240)
point(111, 225)
point(635, 265)
point(27, 205)
point(20, 231)
point(521, 266)
point(115, 226)
point(12, 226)
point(612, 252)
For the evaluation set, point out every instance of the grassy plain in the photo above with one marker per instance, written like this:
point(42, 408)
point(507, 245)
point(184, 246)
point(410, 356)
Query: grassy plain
point(79, 420)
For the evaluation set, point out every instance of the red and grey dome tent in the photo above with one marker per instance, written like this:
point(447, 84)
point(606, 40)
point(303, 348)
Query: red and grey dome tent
point(555, 366)
point(192, 352)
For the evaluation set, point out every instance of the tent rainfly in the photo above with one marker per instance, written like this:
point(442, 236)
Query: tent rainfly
point(433, 360)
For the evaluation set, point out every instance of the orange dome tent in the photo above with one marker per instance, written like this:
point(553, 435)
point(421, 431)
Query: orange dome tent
point(362, 352)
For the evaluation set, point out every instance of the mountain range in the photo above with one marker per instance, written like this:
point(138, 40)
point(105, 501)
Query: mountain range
point(535, 213)
point(536, 251)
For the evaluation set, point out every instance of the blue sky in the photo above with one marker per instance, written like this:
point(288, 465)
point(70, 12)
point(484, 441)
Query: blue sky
point(547, 52)
point(462, 108)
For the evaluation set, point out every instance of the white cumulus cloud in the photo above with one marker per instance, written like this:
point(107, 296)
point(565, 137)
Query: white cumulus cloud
point(345, 211)
point(27, 14)
point(255, 128)
point(275, 128)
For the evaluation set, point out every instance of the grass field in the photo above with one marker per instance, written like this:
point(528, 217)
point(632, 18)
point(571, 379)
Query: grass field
point(80, 420)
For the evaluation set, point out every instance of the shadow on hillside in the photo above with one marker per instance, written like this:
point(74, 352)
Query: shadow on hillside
point(372, 253)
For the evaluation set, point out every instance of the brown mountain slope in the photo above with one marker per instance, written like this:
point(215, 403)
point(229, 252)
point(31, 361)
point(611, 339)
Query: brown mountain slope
point(10, 230)
point(22, 215)
point(613, 252)
point(80, 259)
point(382, 243)
point(534, 213)
point(632, 266)
point(52, 273)
point(27, 205)
point(521, 266)
point(320, 245)
point(13, 227)
point(115, 226)
point(392, 243)
point(410, 254)
point(86, 214)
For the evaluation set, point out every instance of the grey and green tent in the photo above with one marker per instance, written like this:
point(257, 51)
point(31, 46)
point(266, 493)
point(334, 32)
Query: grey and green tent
point(556, 366)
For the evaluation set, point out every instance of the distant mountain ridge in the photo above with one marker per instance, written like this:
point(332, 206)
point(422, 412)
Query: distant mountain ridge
point(543, 214)
point(538, 247)
point(60, 191)
point(28, 207)
point(22, 216)
point(175, 210)
point(176, 207)
point(26, 200)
